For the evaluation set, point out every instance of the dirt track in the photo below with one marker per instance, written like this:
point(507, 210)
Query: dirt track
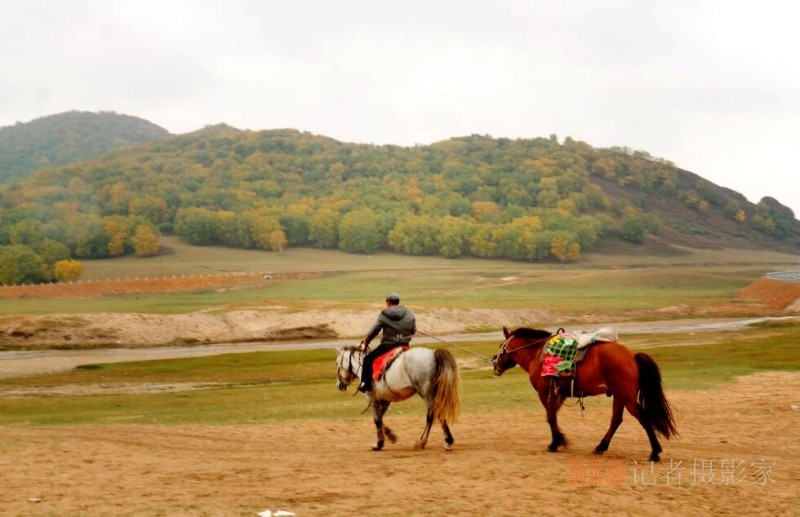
point(739, 454)
point(18, 363)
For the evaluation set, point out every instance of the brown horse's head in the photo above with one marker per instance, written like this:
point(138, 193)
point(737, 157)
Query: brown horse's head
point(519, 339)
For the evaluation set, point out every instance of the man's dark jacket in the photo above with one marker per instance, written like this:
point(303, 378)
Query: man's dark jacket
point(398, 325)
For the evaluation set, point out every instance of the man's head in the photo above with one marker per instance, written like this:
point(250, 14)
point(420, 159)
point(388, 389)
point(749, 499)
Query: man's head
point(392, 299)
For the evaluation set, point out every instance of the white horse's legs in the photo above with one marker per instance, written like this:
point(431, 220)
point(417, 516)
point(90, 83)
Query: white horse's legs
point(423, 440)
point(448, 437)
point(379, 408)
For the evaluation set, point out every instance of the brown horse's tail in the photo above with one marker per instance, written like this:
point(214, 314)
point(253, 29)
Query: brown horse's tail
point(654, 404)
point(446, 387)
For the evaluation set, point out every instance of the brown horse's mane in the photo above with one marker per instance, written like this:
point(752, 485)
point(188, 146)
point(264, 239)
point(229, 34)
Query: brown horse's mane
point(525, 332)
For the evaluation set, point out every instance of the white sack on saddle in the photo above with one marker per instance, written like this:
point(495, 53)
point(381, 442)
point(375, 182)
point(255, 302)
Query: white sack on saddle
point(601, 335)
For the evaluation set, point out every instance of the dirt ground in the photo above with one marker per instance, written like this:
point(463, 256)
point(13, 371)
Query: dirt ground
point(95, 330)
point(738, 454)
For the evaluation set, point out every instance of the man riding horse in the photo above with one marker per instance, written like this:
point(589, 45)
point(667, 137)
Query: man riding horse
point(398, 325)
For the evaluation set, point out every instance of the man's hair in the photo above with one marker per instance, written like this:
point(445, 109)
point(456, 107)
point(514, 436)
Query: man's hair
point(393, 298)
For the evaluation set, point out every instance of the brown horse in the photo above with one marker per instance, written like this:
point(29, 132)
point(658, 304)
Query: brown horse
point(612, 369)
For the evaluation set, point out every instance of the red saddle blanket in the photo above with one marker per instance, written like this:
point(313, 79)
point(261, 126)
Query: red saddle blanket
point(382, 361)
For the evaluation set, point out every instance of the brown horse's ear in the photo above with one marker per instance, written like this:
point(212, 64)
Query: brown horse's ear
point(506, 333)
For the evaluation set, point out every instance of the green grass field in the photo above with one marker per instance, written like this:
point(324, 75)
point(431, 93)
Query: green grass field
point(275, 386)
point(701, 279)
point(183, 259)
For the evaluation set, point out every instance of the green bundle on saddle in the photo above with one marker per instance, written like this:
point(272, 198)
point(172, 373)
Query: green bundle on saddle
point(559, 355)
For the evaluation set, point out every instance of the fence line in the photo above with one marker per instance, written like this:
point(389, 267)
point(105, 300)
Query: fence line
point(262, 275)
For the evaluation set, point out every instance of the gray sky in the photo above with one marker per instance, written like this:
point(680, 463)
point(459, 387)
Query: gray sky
point(713, 86)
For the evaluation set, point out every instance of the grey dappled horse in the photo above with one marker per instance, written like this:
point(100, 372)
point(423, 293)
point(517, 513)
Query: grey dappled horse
point(432, 374)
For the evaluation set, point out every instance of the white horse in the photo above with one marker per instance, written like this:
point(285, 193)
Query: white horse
point(432, 374)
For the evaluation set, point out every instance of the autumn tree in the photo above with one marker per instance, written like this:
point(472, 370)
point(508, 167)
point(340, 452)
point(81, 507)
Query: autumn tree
point(323, 228)
point(296, 226)
point(359, 232)
point(483, 241)
point(117, 199)
point(152, 208)
point(453, 236)
point(633, 228)
point(263, 231)
point(196, 225)
point(27, 232)
point(564, 250)
point(51, 252)
point(227, 233)
point(19, 264)
point(89, 238)
point(483, 211)
point(116, 232)
point(277, 240)
point(145, 241)
point(517, 240)
point(415, 235)
point(67, 270)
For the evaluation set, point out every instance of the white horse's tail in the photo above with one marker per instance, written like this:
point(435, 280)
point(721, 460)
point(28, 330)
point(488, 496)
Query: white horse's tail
point(446, 387)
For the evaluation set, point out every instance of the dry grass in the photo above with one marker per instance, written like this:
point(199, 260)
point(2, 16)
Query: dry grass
point(774, 293)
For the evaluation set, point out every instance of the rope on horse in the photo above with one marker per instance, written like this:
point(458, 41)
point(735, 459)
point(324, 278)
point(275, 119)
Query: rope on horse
point(476, 354)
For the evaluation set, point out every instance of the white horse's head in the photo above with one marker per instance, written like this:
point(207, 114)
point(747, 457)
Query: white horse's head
point(348, 366)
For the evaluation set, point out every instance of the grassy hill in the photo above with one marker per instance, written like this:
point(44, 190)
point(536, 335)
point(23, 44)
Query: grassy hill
point(535, 200)
point(67, 138)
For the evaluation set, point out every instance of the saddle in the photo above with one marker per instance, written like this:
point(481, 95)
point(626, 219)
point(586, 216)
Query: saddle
point(382, 362)
point(565, 350)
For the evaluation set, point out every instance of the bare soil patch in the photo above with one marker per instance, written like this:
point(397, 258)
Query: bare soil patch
point(95, 330)
point(738, 454)
point(775, 294)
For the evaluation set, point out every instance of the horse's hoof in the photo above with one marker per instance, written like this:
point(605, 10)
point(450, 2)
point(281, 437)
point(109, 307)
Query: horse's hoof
point(448, 447)
point(552, 448)
point(654, 457)
point(378, 446)
point(599, 452)
point(419, 446)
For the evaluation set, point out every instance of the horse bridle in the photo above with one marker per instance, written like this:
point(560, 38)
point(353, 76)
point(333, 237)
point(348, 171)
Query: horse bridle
point(351, 372)
point(504, 345)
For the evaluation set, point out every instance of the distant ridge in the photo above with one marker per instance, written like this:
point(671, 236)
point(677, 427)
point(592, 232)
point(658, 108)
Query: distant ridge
point(67, 138)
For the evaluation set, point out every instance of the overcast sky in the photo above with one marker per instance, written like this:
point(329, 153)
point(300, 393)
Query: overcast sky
point(713, 86)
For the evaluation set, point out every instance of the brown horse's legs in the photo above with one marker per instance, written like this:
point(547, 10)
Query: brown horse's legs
point(389, 434)
point(617, 410)
point(552, 403)
point(635, 409)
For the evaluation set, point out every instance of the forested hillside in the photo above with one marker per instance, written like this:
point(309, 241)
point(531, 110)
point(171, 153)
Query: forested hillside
point(526, 199)
point(67, 138)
